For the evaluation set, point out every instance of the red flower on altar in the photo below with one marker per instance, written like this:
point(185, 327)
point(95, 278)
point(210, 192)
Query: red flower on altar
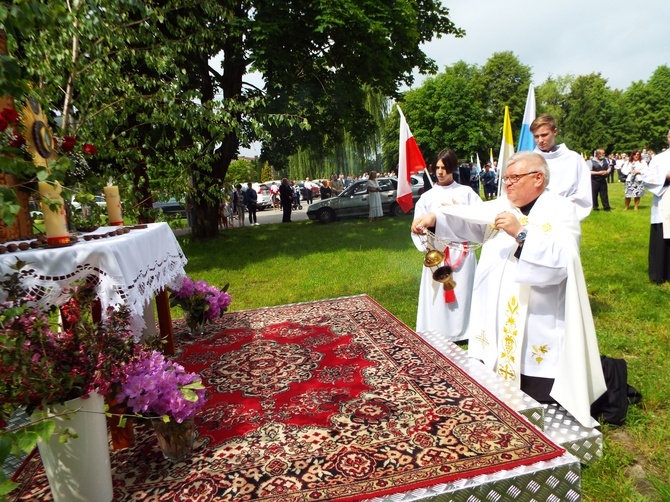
point(67, 145)
point(3, 124)
point(10, 115)
point(90, 149)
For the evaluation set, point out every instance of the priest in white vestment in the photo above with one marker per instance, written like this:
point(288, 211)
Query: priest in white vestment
point(530, 319)
point(440, 311)
point(570, 175)
point(657, 180)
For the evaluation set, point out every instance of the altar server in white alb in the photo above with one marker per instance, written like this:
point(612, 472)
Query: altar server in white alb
point(570, 176)
point(657, 180)
point(441, 311)
point(530, 320)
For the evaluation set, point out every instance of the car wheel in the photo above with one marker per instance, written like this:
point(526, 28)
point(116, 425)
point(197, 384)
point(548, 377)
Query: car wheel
point(326, 215)
point(396, 210)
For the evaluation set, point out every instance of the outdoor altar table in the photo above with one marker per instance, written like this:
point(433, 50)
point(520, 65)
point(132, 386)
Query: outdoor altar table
point(128, 269)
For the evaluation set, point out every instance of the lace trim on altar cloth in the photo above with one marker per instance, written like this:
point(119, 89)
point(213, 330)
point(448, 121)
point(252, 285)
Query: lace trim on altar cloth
point(113, 291)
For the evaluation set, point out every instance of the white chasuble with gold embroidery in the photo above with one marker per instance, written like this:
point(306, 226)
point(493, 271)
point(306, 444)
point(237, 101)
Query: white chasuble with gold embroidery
point(521, 320)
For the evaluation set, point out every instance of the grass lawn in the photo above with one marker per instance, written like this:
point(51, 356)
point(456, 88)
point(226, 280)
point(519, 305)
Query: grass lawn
point(305, 261)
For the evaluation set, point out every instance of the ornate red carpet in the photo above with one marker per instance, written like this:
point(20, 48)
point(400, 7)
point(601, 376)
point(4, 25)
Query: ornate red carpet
point(330, 400)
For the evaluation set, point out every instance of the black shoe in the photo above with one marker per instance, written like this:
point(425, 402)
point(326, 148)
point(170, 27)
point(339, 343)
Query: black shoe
point(596, 209)
point(608, 209)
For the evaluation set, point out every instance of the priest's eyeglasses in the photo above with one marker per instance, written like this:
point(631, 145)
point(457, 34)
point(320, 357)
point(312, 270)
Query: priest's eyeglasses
point(513, 178)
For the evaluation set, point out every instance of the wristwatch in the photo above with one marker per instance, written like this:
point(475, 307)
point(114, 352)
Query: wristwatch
point(521, 236)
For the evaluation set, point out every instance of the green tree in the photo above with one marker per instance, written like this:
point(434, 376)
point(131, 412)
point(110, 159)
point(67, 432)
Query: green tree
point(551, 96)
point(659, 108)
point(632, 117)
point(352, 155)
point(504, 82)
point(589, 114)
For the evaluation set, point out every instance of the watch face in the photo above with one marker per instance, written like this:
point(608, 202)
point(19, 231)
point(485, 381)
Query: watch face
point(521, 236)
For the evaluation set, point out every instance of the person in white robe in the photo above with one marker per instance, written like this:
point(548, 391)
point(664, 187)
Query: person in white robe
point(440, 311)
point(570, 175)
point(530, 320)
point(657, 180)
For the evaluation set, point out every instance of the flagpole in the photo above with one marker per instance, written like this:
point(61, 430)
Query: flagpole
point(506, 149)
point(526, 140)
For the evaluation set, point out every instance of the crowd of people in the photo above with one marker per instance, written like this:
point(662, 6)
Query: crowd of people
point(524, 308)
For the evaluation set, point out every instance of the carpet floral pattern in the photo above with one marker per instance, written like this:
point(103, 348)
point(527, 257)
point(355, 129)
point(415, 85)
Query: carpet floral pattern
point(329, 400)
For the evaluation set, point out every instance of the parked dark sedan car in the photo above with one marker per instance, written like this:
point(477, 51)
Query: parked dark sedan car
point(172, 207)
point(353, 202)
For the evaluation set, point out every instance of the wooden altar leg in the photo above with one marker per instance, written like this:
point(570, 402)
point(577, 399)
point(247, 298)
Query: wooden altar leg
point(165, 322)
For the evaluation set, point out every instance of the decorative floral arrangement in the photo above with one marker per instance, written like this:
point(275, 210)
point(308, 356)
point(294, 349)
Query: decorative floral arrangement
point(156, 387)
point(41, 365)
point(79, 165)
point(200, 302)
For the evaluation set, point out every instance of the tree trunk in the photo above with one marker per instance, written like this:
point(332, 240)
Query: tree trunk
point(205, 220)
point(206, 211)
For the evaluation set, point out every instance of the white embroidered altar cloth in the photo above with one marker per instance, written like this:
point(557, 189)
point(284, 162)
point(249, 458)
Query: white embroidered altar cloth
point(126, 269)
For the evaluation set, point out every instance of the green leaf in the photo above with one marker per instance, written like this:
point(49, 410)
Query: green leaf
point(26, 440)
point(7, 486)
point(6, 441)
point(197, 385)
point(44, 429)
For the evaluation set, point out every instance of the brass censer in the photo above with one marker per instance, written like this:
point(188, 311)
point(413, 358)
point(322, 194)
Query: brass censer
point(434, 258)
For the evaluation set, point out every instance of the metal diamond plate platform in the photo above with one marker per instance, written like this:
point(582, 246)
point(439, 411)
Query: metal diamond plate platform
point(584, 443)
point(557, 480)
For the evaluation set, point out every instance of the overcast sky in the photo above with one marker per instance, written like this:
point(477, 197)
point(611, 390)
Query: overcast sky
point(625, 41)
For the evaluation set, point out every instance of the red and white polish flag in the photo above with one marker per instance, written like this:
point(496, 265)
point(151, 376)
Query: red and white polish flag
point(410, 161)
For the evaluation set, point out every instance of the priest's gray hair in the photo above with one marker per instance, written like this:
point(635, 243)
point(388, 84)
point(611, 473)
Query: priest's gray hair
point(534, 162)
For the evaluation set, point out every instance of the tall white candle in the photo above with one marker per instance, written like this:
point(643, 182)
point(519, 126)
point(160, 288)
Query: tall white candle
point(113, 205)
point(55, 220)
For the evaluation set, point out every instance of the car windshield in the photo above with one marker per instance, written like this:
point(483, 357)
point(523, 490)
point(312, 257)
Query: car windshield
point(359, 188)
point(386, 185)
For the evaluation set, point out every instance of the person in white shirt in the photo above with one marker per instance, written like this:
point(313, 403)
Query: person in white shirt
point(309, 195)
point(570, 176)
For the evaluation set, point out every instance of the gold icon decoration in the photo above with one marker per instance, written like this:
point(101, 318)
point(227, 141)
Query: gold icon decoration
point(38, 134)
